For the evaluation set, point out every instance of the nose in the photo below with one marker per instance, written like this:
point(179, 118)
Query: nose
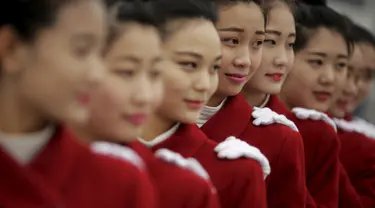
point(351, 88)
point(202, 82)
point(328, 75)
point(281, 59)
point(143, 94)
point(96, 71)
point(243, 59)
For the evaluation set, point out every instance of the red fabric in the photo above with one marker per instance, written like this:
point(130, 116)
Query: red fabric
point(348, 197)
point(239, 183)
point(281, 145)
point(176, 187)
point(358, 158)
point(67, 174)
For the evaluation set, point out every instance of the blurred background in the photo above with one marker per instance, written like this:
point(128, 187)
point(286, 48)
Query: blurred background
point(362, 12)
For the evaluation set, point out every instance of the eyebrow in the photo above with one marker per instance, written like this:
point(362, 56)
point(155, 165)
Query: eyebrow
point(260, 32)
point(278, 33)
point(232, 29)
point(86, 37)
point(323, 55)
point(188, 53)
point(343, 56)
point(129, 58)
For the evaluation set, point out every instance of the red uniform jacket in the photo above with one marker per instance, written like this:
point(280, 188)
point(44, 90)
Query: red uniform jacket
point(347, 195)
point(358, 158)
point(176, 187)
point(68, 174)
point(281, 145)
point(239, 183)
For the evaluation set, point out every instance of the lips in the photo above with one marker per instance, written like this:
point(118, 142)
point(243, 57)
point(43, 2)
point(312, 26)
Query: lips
point(276, 77)
point(194, 104)
point(342, 104)
point(84, 99)
point(137, 119)
point(236, 78)
point(322, 96)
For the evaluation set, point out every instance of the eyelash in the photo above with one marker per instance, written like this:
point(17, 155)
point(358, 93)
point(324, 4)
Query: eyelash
point(234, 42)
point(188, 64)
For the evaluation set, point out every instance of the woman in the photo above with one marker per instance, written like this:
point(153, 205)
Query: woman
point(128, 95)
point(193, 55)
point(42, 163)
point(322, 50)
point(352, 136)
point(241, 29)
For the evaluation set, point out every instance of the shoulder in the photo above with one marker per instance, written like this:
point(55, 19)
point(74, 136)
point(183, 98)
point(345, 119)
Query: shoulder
point(241, 167)
point(118, 151)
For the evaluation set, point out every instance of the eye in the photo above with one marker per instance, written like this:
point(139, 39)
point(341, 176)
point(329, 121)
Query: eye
point(215, 68)
point(257, 44)
point(154, 74)
point(291, 45)
point(188, 65)
point(341, 66)
point(230, 41)
point(269, 42)
point(123, 72)
point(82, 51)
point(315, 62)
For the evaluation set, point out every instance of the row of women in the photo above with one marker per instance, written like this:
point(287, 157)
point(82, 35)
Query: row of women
point(183, 104)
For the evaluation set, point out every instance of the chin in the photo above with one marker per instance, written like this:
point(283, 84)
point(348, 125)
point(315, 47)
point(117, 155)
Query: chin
point(322, 107)
point(190, 118)
point(76, 117)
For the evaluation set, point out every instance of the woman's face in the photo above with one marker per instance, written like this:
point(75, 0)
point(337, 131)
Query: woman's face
point(52, 76)
point(367, 74)
point(311, 82)
point(193, 55)
point(347, 89)
point(278, 54)
point(241, 31)
point(133, 86)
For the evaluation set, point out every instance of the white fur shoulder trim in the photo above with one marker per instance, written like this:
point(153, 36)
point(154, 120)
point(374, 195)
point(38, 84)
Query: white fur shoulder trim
point(311, 114)
point(118, 151)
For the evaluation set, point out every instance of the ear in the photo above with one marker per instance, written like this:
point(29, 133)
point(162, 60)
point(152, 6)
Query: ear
point(12, 51)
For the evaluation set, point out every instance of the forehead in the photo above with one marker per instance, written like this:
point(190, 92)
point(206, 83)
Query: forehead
point(85, 16)
point(356, 60)
point(368, 54)
point(327, 42)
point(136, 40)
point(280, 18)
point(197, 35)
point(247, 16)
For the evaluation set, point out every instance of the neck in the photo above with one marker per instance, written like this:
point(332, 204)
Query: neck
point(215, 100)
point(255, 98)
point(16, 114)
point(157, 125)
point(83, 134)
point(285, 101)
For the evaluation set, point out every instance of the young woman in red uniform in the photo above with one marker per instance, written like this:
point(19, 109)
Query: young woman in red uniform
point(50, 55)
point(322, 48)
point(129, 93)
point(193, 54)
point(359, 166)
point(241, 30)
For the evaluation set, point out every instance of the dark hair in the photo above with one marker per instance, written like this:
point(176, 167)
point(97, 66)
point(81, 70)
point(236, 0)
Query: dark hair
point(362, 35)
point(130, 11)
point(315, 2)
point(27, 17)
point(169, 10)
point(311, 18)
point(229, 2)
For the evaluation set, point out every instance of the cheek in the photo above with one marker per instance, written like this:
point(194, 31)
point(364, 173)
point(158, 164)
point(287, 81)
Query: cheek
point(290, 62)
point(227, 59)
point(158, 94)
point(214, 83)
point(256, 59)
point(175, 83)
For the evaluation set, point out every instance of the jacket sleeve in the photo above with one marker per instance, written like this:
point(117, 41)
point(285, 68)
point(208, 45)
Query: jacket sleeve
point(144, 192)
point(286, 186)
point(348, 197)
point(324, 173)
